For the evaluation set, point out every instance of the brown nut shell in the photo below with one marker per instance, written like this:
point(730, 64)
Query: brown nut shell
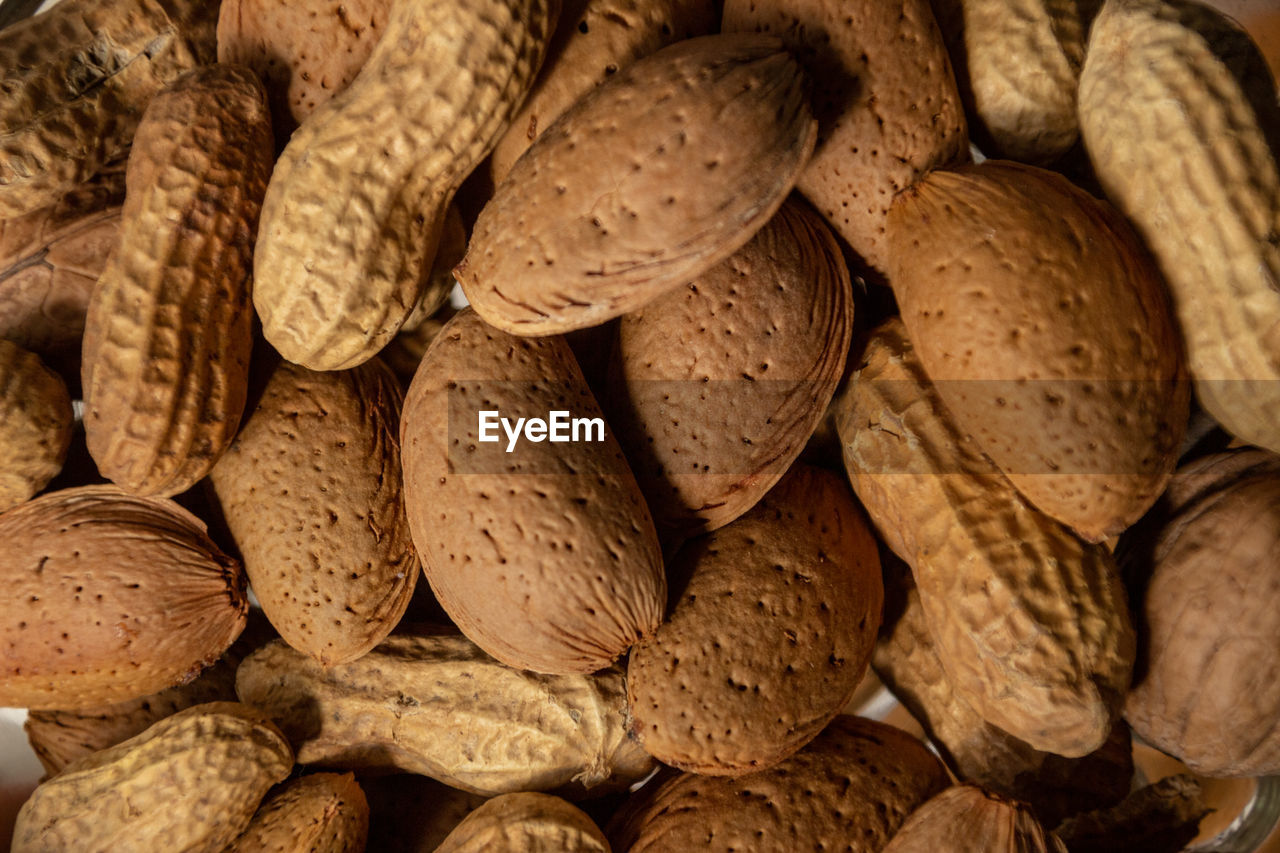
point(770, 637)
point(546, 557)
point(649, 180)
point(113, 597)
point(526, 823)
point(311, 491)
point(967, 819)
point(851, 788)
point(319, 813)
point(35, 425)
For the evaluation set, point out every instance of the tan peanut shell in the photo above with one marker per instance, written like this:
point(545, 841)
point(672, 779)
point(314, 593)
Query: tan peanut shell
point(886, 101)
point(1179, 114)
point(770, 637)
point(649, 180)
point(967, 819)
point(168, 334)
point(112, 597)
point(1051, 343)
point(594, 40)
point(1017, 65)
point(851, 788)
point(311, 491)
point(718, 384)
point(191, 782)
point(526, 823)
point(319, 813)
point(546, 556)
point(35, 424)
point(332, 288)
point(74, 82)
point(305, 51)
point(440, 707)
point(1029, 622)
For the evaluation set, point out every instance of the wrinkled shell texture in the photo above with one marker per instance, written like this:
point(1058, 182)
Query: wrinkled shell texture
point(305, 51)
point(1017, 65)
point(886, 101)
point(545, 557)
point(1205, 690)
point(354, 212)
point(1030, 623)
point(770, 636)
point(113, 597)
point(967, 819)
point(593, 41)
point(1179, 115)
point(311, 490)
point(319, 813)
point(1047, 333)
point(191, 782)
point(850, 789)
point(721, 382)
point(438, 706)
point(75, 82)
point(168, 333)
point(691, 150)
point(526, 823)
point(35, 425)
point(50, 260)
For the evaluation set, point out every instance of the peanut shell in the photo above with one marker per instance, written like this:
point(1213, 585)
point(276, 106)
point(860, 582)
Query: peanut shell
point(35, 425)
point(967, 819)
point(319, 813)
point(649, 180)
point(526, 823)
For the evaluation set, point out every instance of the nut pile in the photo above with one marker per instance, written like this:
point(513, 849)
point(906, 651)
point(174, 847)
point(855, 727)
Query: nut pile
point(765, 389)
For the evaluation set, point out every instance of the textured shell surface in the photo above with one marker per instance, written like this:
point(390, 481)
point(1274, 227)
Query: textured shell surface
point(527, 823)
point(319, 813)
point(35, 424)
point(967, 819)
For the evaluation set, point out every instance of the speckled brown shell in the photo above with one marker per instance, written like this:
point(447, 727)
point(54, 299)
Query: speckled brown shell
point(594, 40)
point(111, 597)
point(1204, 690)
point(438, 706)
point(216, 762)
point(1047, 332)
point(545, 557)
point(305, 51)
point(886, 102)
point(167, 338)
point(74, 82)
point(318, 813)
point(311, 490)
point(850, 789)
point(967, 819)
point(526, 823)
point(771, 634)
point(35, 424)
point(440, 86)
point(718, 385)
point(1030, 623)
point(649, 180)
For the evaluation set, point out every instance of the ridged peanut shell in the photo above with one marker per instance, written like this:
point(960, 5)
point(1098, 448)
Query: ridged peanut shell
point(312, 493)
point(74, 82)
point(546, 557)
point(967, 819)
point(332, 287)
point(440, 707)
point(319, 813)
point(649, 180)
point(851, 788)
point(168, 333)
point(111, 597)
point(886, 101)
point(771, 634)
point(1030, 623)
point(526, 823)
point(1179, 114)
point(594, 40)
point(35, 424)
point(191, 782)
point(718, 385)
point(1046, 330)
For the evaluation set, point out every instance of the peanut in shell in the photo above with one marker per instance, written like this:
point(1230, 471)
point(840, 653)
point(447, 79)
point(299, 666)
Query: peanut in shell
point(526, 823)
point(35, 424)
